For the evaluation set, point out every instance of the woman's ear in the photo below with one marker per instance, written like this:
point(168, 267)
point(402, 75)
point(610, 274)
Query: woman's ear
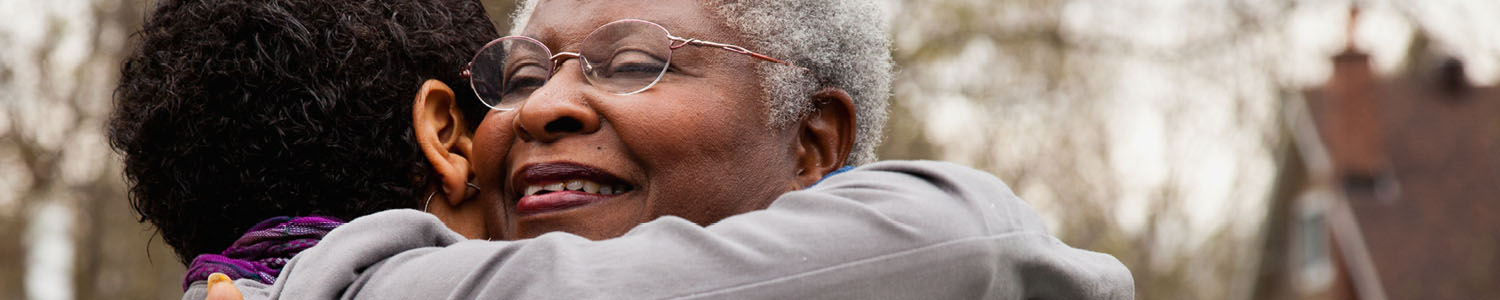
point(444, 137)
point(825, 136)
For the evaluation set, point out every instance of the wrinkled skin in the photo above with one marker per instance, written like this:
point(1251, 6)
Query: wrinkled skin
point(694, 146)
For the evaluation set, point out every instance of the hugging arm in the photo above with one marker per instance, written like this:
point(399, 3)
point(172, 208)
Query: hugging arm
point(886, 230)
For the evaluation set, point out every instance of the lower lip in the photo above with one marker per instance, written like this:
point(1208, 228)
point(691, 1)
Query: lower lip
point(557, 201)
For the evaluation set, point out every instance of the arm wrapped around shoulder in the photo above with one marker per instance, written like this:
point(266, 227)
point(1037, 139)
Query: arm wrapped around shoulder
point(941, 229)
point(925, 230)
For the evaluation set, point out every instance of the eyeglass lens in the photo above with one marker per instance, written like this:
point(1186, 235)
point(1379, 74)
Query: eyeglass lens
point(623, 57)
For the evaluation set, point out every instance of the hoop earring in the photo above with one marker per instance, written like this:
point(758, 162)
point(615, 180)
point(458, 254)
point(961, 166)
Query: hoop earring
point(429, 202)
point(473, 186)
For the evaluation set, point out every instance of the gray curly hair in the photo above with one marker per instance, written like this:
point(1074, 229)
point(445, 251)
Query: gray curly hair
point(842, 43)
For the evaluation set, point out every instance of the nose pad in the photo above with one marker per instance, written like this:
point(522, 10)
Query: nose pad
point(557, 109)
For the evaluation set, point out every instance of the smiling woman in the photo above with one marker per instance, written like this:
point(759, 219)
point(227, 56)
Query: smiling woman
point(626, 164)
point(695, 114)
point(692, 117)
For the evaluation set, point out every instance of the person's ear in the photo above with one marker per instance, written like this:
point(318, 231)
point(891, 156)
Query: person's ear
point(444, 137)
point(825, 136)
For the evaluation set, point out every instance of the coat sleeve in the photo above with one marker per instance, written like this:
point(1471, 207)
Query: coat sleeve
point(886, 230)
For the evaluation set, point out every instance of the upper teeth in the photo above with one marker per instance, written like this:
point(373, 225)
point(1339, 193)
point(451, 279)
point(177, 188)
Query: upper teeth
point(578, 185)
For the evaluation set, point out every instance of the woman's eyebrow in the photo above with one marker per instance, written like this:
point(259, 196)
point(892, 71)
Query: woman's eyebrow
point(555, 46)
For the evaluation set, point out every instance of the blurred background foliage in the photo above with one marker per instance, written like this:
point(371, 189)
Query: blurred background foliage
point(1148, 130)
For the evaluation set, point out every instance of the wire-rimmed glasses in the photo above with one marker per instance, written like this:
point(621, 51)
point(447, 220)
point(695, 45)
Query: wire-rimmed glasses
point(623, 57)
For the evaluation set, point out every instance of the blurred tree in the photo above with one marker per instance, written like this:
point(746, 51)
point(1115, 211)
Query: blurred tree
point(1107, 117)
point(60, 63)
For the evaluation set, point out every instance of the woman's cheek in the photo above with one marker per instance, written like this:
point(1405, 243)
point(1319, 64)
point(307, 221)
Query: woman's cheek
point(492, 141)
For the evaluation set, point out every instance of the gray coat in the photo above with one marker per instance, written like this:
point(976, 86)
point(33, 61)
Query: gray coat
point(889, 230)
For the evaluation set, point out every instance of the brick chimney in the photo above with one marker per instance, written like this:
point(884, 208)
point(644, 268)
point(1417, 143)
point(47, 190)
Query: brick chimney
point(1352, 117)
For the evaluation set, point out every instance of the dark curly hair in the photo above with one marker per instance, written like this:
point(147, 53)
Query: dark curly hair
point(230, 112)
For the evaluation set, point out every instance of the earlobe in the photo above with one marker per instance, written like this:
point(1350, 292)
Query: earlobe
point(444, 137)
point(826, 135)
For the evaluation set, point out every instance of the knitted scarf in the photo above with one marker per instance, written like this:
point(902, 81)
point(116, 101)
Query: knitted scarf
point(260, 253)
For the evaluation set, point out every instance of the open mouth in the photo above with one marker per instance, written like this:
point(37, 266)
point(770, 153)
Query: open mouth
point(549, 187)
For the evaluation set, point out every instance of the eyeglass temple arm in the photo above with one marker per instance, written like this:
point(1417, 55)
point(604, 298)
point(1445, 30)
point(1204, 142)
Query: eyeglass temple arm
point(678, 42)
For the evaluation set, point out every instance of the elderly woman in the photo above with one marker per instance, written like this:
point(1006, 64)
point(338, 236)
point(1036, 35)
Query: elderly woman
point(720, 125)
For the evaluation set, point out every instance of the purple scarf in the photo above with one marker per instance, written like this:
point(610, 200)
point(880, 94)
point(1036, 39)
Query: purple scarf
point(260, 253)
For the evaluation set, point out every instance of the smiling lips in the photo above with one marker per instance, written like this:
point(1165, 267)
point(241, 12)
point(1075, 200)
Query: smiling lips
point(559, 186)
point(581, 185)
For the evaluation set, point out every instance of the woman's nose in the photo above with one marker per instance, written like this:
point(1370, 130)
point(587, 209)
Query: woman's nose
point(559, 108)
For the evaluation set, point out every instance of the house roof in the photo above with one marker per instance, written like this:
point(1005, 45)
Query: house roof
point(1417, 157)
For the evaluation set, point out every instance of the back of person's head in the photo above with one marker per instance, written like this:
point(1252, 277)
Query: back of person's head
point(232, 112)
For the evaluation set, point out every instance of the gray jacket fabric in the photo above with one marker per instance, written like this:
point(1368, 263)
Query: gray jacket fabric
point(889, 230)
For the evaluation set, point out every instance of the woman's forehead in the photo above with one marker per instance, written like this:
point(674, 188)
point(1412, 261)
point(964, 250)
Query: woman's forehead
point(566, 22)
